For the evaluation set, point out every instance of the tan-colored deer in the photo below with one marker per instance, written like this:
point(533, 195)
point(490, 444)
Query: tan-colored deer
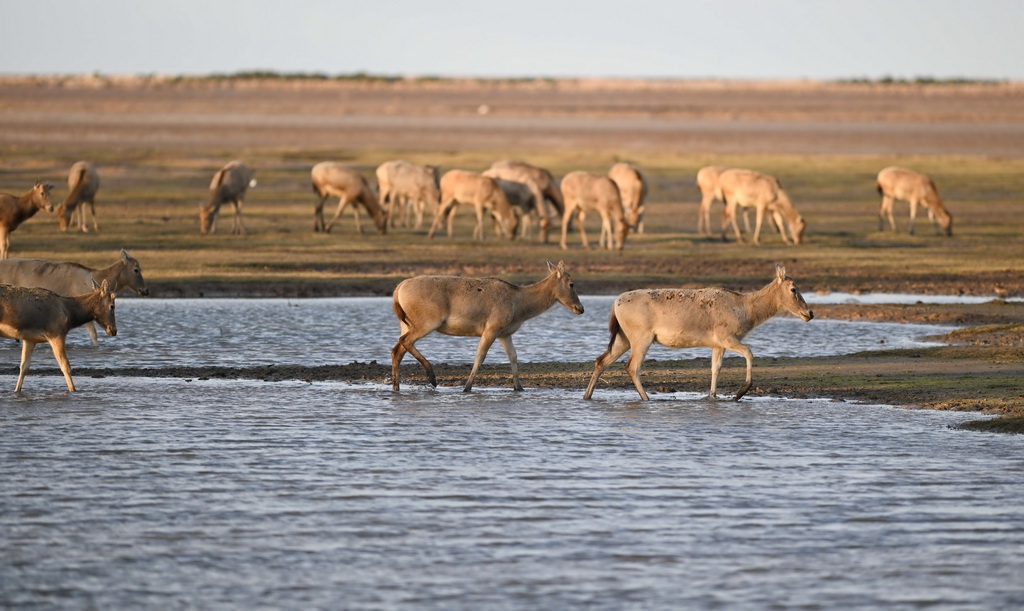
point(690, 318)
point(707, 182)
point(404, 186)
point(632, 190)
point(70, 279)
point(584, 192)
point(331, 178)
point(228, 186)
point(749, 189)
point(488, 308)
point(37, 315)
point(15, 210)
point(916, 189)
point(83, 184)
point(481, 192)
point(547, 196)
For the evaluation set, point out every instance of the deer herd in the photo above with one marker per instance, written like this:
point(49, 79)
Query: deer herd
point(43, 300)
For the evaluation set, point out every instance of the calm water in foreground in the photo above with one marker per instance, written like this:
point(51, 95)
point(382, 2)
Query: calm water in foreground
point(168, 493)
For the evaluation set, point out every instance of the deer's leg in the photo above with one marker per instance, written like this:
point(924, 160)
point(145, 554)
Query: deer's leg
point(913, 216)
point(406, 343)
point(439, 217)
point(95, 223)
point(636, 361)
point(885, 212)
point(4, 242)
point(26, 359)
point(59, 353)
point(478, 231)
point(342, 204)
point(510, 350)
point(318, 214)
point(758, 221)
point(617, 347)
point(583, 234)
point(716, 367)
point(90, 328)
point(237, 226)
point(745, 352)
point(565, 226)
point(486, 340)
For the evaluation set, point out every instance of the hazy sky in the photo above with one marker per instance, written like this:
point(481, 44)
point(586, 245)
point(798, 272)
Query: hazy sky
point(817, 39)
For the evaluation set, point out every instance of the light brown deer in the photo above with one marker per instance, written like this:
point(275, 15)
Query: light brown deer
point(487, 308)
point(584, 192)
point(481, 192)
point(917, 189)
point(547, 196)
point(404, 186)
point(632, 190)
point(83, 184)
point(228, 186)
point(749, 189)
point(15, 210)
point(70, 279)
point(37, 315)
point(707, 182)
point(690, 318)
point(331, 178)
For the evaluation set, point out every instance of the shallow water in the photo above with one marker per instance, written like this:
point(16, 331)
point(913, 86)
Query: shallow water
point(157, 493)
point(244, 332)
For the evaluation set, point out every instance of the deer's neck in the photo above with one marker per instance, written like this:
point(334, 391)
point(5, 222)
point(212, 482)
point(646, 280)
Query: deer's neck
point(535, 299)
point(762, 305)
point(111, 274)
point(82, 309)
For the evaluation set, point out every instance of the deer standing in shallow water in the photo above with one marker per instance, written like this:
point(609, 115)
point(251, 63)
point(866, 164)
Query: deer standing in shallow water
point(38, 315)
point(70, 279)
point(916, 188)
point(16, 210)
point(689, 318)
point(487, 308)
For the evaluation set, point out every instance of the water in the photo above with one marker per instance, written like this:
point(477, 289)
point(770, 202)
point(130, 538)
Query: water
point(156, 493)
point(244, 332)
point(170, 493)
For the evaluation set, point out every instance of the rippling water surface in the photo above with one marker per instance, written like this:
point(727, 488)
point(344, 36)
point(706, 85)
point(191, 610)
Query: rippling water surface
point(155, 493)
point(168, 493)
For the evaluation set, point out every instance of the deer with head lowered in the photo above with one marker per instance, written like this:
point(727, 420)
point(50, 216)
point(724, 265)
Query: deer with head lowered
point(15, 210)
point(488, 308)
point(83, 184)
point(331, 178)
point(689, 318)
point(37, 315)
point(228, 186)
point(917, 189)
point(70, 279)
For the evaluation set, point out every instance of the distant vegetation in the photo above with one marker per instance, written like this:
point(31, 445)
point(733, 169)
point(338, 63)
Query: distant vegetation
point(923, 80)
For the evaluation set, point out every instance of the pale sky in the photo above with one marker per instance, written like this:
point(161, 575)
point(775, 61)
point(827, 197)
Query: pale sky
point(731, 39)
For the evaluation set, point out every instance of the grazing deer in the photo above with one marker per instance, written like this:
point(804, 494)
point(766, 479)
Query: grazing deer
point(707, 182)
point(408, 185)
point(689, 318)
point(70, 279)
point(481, 192)
point(16, 210)
point(632, 190)
point(749, 189)
point(83, 183)
point(228, 186)
point(585, 192)
point(916, 188)
point(487, 308)
point(331, 178)
point(546, 196)
point(37, 315)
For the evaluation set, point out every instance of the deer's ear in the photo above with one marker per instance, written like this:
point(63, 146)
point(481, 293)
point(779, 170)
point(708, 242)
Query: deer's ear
point(780, 272)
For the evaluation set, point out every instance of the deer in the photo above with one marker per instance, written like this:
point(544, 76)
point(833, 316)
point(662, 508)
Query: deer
point(35, 315)
point(707, 182)
point(481, 192)
point(688, 318)
point(70, 279)
point(228, 186)
point(584, 192)
point(83, 183)
point(15, 210)
point(749, 189)
point(547, 198)
point(917, 189)
point(488, 308)
point(408, 185)
point(331, 178)
point(632, 190)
